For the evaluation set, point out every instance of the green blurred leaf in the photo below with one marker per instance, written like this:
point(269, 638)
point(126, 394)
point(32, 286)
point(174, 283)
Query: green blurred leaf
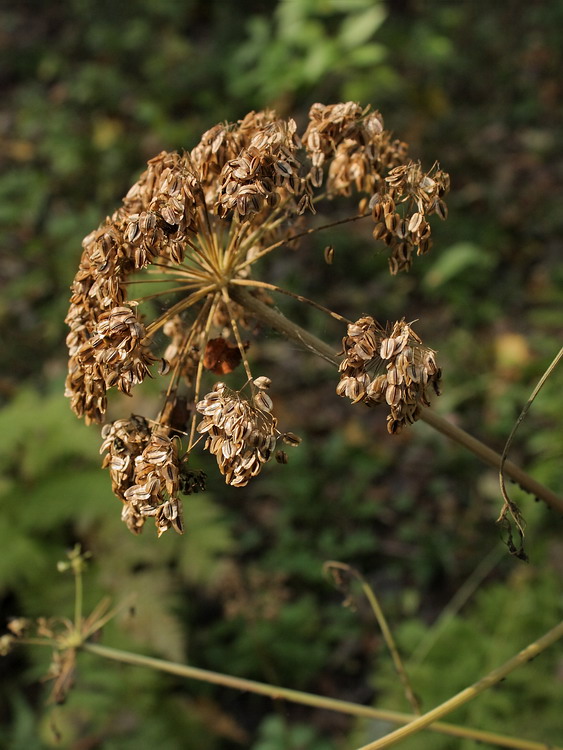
point(458, 259)
point(359, 28)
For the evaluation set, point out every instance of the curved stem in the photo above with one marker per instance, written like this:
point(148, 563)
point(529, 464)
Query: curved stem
point(298, 297)
point(509, 506)
point(306, 699)
point(275, 319)
point(493, 678)
point(237, 335)
point(335, 567)
point(203, 343)
point(298, 236)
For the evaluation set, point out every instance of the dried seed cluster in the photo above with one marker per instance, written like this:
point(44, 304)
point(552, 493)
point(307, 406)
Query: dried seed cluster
point(408, 369)
point(241, 435)
point(265, 173)
point(198, 222)
point(400, 212)
point(145, 472)
point(353, 141)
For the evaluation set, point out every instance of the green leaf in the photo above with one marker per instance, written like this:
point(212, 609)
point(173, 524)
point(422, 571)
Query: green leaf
point(358, 29)
point(456, 260)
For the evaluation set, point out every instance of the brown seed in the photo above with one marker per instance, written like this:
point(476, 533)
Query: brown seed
point(441, 209)
point(329, 254)
point(282, 168)
point(316, 176)
point(387, 348)
point(393, 395)
point(377, 211)
point(392, 222)
point(415, 222)
point(379, 231)
point(402, 228)
point(263, 401)
point(290, 438)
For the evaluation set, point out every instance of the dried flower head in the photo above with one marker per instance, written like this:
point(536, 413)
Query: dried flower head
point(240, 433)
point(194, 226)
point(392, 367)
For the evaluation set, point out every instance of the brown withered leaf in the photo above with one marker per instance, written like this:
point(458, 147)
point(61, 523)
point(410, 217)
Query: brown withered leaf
point(221, 357)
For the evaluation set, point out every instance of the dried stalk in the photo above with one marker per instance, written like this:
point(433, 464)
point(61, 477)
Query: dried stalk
point(493, 678)
point(308, 699)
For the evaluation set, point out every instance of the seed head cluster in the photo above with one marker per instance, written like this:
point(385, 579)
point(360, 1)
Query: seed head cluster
point(241, 434)
point(392, 367)
point(189, 233)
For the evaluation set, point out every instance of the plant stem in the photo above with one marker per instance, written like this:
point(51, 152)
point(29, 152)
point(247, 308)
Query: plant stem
point(509, 506)
point(291, 330)
point(307, 699)
point(78, 597)
point(494, 677)
point(336, 568)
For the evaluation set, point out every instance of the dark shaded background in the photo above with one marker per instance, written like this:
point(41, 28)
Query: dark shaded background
point(90, 91)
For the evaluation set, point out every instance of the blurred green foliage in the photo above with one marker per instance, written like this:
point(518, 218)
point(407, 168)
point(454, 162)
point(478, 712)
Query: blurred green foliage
point(94, 89)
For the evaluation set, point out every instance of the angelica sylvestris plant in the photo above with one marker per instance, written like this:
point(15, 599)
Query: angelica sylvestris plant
point(194, 226)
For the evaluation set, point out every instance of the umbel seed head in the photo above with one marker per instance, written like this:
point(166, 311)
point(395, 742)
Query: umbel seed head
point(196, 224)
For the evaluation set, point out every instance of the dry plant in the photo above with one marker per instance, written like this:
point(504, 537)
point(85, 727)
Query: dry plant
point(194, 227)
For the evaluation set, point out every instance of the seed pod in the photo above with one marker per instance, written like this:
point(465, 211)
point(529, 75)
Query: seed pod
point(329, 254)
point(290, 438)
point(282, 457)
point(379, 231)
point(282, 168)
point(388, 206)
point(316, 176)
point(402, 228)
point(263, 401)
point(262, 382)
point(305, 203)
point(377, 211)
point(441, 209)
point(393, 395)
point(314, 141)
point(394, 377)
point(387, 348)
point(374, 201)
point(133, 229)
point(392, 222)
point(415, 222)
point(403, 252)
point(376, 389)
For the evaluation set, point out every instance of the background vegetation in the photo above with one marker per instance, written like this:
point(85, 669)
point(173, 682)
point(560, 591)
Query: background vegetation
point(91, 90)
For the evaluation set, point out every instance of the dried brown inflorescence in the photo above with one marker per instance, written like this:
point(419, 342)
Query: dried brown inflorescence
point(194, 225)
point(241, 434)
point(392, 367)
